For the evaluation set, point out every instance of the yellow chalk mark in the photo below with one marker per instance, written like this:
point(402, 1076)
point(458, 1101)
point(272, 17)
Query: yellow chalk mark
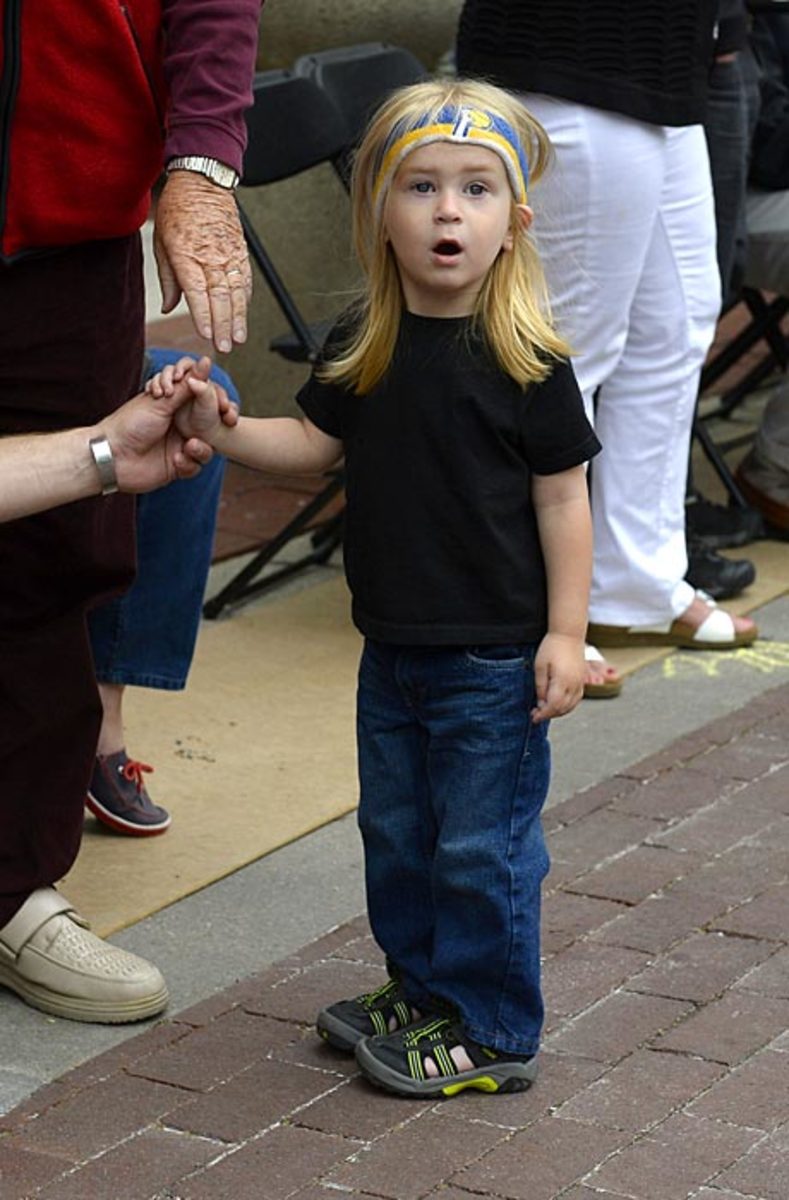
point(764, 657)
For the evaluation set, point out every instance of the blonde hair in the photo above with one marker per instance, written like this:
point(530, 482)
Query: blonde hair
point(512, 307)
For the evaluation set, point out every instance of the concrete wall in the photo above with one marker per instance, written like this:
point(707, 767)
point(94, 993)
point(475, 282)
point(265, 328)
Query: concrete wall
point(305, 221)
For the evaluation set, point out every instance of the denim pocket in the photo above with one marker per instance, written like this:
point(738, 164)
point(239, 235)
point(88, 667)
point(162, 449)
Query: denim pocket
point(506, 655)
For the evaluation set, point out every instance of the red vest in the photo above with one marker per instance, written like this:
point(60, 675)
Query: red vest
point(82, 113)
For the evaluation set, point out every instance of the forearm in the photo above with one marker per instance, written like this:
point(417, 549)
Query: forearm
point(39, 471)
point(566, 538)
point(279, 444)
point(209, 63)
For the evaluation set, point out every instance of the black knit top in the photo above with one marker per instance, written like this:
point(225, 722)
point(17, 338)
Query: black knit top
point(647, 59)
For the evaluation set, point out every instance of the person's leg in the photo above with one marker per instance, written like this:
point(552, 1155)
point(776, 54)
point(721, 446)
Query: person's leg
point(396, 821)
point(70, 349)
point(146, 637)
point(454, 776)
point(488, 771)
point(594, 213)
point(646, 405)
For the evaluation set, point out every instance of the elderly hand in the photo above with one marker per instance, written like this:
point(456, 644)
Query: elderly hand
point(201, 253)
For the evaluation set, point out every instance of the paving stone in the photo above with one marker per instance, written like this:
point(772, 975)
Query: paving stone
point(33, 1106)
point(683, 750)
point(561, 1076)
point(672, 794)
point(673, 1160)
point(771, 792)
point(139, 1168)
point(416, 1157)
point(215, 1006)
point(764, 1171)
point(22, 1171)
point(589, 800)
point(585, 1193)
point(441, 1193)
point(700, 967)
point(659, 922)
point(98, 1117)
point(584, 973)
point(594, 838)
point(567, 916)
point(771, 978)
point(617, 1025)
point(123, 1056)
point(746, 758)
point(308, 1050)
point(634, 875)
point(713, 1194)
point(641, 1091)
point(756, 1094)
point(729, 1029)
point(766, 916)
point(361, 949)
point(355, 1109)
point(540, 1162)
point(215, 1052)
point(251, 1101)
point(314, 1191)
point(743, 872)
point(301, 996)
point(272, 1167)
point(716, 828)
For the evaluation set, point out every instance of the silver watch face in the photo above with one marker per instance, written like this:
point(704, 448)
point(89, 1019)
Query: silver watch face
point(225, 176)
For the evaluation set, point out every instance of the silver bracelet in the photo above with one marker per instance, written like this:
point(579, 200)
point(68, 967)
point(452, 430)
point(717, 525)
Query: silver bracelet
point(101, 450)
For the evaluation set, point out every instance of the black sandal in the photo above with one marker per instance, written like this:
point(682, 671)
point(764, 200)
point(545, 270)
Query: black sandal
point(383, 1011)
point(397, 1062)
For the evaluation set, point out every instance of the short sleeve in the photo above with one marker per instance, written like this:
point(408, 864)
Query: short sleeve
point(555, 432)
point(324, 403)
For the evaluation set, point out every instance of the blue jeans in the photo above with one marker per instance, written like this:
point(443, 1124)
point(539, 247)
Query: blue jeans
point(453, 778)
point(147, 636)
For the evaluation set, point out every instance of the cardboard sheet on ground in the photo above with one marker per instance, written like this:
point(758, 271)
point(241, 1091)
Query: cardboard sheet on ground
point(259, 749)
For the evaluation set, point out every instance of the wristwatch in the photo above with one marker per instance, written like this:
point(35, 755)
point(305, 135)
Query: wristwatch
point(218, 172)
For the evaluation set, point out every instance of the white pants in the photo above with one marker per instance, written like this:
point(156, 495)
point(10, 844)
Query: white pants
point(625, 225)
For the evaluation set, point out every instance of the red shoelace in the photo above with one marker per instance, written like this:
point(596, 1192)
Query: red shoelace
point(133, 771)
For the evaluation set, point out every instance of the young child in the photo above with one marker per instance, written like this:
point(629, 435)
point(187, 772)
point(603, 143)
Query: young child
point(468, 555)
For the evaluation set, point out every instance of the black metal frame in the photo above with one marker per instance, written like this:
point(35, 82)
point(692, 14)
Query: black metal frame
point(285, 108)
point(765, 325)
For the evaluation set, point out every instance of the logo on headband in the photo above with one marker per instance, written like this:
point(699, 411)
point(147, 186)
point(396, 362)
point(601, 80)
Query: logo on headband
point(459, 125)
point(475, 118)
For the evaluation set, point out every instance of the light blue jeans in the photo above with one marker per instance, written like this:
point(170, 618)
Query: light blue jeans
point(146, 637)
point(453, 778)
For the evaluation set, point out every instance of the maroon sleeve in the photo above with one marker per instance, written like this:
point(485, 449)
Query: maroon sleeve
point(209, 62)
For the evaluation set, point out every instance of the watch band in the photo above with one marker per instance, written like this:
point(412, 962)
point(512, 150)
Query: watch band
point(218, 172)
point(101, 450)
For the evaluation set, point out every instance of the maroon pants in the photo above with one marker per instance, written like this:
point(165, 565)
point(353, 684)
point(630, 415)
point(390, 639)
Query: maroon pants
point(71, 345)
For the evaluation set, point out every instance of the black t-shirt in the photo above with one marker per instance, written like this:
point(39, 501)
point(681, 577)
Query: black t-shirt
point(441, 544)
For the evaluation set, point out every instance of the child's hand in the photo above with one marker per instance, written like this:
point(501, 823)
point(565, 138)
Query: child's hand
point(207, 413)
point(164, 381)
point(558, 676)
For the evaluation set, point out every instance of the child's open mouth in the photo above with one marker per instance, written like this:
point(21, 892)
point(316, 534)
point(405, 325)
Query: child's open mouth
point(447, 248)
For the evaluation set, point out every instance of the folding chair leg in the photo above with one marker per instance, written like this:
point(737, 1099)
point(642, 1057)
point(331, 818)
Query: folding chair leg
point(241, 586)
point(718, 463)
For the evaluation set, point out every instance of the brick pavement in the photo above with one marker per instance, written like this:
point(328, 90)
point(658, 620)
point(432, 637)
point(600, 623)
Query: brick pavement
point(664, 1071)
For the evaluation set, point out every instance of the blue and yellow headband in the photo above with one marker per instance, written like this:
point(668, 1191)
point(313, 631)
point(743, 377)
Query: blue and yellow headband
point(463, 126)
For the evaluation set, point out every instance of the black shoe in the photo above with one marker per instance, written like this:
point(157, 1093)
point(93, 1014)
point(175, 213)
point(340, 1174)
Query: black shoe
point(722, 526)
point(348, 1021)
point(398, 1062)
point(719, 577)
